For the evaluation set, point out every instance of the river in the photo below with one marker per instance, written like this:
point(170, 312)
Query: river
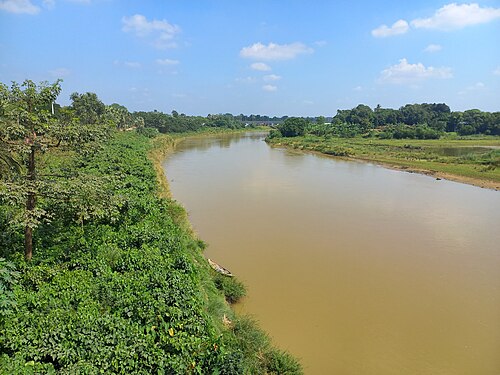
point(353, 268)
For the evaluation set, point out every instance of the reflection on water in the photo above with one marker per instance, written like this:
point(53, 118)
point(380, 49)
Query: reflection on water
point(354, 268)
point(461, 151)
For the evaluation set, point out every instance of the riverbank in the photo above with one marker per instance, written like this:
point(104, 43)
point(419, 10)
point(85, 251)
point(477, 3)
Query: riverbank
point(239, 333)
point(474, 161)
point(118, 282)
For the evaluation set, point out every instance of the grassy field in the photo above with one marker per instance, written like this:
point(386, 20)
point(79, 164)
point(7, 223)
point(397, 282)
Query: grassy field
point(473, 160)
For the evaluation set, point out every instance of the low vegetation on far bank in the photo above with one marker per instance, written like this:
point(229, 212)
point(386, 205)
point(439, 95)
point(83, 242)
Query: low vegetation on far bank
point(473, 159)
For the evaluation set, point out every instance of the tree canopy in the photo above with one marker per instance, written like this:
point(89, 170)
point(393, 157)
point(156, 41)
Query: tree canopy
point(28, 129)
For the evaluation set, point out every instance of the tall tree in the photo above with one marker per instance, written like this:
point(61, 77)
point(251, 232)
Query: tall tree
point(28, 128)
point(87, 107)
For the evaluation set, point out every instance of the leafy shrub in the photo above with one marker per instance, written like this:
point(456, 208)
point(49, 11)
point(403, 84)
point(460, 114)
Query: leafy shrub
point(279, 362)
point(275, 133)
point(233, 289)
point(293, 127)
point(409, 132)
point(8, 279)
point(121, 296)
point(148, 132)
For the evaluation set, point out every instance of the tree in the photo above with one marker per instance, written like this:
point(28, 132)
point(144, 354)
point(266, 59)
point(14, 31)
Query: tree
point(87, 107)
point(293, 127)
point(119, 115)
point(28, 129)
point(362, 116)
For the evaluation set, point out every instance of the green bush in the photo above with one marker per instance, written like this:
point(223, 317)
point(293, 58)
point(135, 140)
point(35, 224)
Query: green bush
point(117, 294)
point(148, 132)
point(233, 289)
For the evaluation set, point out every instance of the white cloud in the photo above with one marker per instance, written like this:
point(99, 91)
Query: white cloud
point(397, 28)
point(260, 66)
point(245, 79)
point(275, 51)
point(60, 72)
point(358, 88)
point(49, 3)
point(406, 73)
point(321, 43)
point(167, 62)
point(132, 64)
point(433, 48)
point(456, 16)
point(497, 71)
point(269, 88)
point(475, 87)
point(272, 77)
point(162, 31)
point(19, 6)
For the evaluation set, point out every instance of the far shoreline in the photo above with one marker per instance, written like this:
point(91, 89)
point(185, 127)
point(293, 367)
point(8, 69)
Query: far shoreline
point(485, 184)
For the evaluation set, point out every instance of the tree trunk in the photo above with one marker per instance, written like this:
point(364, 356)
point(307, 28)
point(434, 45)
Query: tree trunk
point(30, 206)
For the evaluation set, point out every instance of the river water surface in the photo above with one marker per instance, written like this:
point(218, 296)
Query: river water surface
point(351, 267)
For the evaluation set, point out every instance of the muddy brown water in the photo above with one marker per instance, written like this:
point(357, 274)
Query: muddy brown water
point(351, 267)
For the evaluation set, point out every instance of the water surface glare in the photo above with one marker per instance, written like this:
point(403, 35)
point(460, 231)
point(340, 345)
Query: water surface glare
point(353, 268)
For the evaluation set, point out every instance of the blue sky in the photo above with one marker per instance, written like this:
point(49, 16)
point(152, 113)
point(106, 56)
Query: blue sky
point(272, 57)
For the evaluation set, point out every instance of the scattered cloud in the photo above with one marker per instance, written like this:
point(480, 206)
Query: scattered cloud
point(497, 71)
point(307, 102)
point(358, 88)
point(179, 96)
point(167, 62)
point(456, 16)
point(245, 79)
point(406, 73)
point(475, 87)
point(431, 48)
point(260, 66)
point(321, 43)
point(128, 64)
point(49, 4)
point(60, 72)
point(161, 31)
point(269, 88)
point(19, 6)
point(399, 27)
point(132, 64)
point(273, 51)
point(272, 77)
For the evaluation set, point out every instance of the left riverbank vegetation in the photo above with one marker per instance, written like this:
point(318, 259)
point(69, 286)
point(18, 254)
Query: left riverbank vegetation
point(426, 138)
point(100, 272)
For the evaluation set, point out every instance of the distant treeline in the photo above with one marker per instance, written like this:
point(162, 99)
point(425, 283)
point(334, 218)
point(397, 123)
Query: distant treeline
point(410, 121)
point(427, 120)
point(437, 117)
point(178, 123)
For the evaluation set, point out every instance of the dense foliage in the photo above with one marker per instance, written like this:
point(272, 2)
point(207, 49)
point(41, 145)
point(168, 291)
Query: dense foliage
point(117, 283)
point(180, 123)
point(127, 292)
point(437, 117)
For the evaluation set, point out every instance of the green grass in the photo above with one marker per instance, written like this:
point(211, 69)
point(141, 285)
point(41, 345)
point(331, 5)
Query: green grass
point(411, 154)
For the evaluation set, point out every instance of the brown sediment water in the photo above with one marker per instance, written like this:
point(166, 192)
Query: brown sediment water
point(353, 268)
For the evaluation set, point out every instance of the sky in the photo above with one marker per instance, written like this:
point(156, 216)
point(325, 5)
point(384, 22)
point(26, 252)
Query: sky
point(269, 57)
